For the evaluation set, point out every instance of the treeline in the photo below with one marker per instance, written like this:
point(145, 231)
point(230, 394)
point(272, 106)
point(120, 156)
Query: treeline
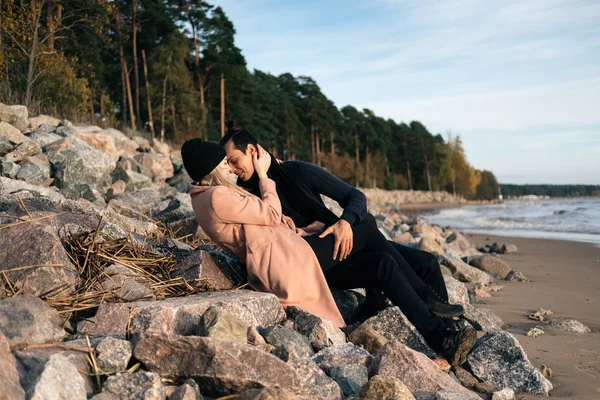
point(171, 69)
point(551, 190)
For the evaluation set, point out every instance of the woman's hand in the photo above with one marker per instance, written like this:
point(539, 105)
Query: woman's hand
point(261, 161)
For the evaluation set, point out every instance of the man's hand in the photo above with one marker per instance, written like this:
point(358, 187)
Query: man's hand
point(344, 238)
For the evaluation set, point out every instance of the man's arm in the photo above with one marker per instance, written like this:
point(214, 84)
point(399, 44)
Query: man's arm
point(352, 200)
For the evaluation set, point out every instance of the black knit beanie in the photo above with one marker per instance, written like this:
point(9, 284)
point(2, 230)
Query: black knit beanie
point(201, 157)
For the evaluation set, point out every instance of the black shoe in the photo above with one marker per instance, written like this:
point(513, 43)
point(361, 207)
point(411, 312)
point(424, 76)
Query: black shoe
point(456, 345)
point(443, 309)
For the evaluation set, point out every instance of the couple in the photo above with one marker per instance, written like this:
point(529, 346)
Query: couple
point(274, 220)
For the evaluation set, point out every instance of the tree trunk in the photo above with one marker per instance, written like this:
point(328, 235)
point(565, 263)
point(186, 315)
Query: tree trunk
point(357, 155)
point(102, 110)
point(32, 55)
point(164, 100)
point(135, 64)
point(222, 105)
point(173, 115)
point(150, 119)
point(332, 138)
point(91, 110)
point(203, 133)
point(125, 71)
point(410, 187)
point(123, 99)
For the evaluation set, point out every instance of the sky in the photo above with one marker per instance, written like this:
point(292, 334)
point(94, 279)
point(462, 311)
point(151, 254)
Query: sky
point(519, 81)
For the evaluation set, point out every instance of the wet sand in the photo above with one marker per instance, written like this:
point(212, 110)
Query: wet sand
point(565, 278)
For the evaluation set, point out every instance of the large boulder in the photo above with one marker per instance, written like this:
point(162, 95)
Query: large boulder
point(9, 169)
point(344, 355)
point(420, 374)
point(23, 151)
point(181, 315)
point(457, 291)
point(34, 170)
point(14, 115)
point(499, 359)
point(37, 262)
point(313, 383)
point(350, 378)
point(368, 338)
point(320, 331)
point(113, 354)
point(55, 378)
point(25, 319)
point(218, 324)
point(569, 325)
point(484, 317)
point(42, 119)
point(430, 245)
point(392, 324)
point(100, 141)
point(220, 368)
point(492, 265)
point(133, 180)
point(140, 385)
point(465, 272)
point(11, 133)
point(156, 165)
point(349, 303)
point(385, 387)
point(10, 388)
point(79, 168)
point(202, 271)
point(288, 343)
point(5, 146)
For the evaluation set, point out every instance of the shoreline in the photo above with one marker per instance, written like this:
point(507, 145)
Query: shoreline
point(565, 278)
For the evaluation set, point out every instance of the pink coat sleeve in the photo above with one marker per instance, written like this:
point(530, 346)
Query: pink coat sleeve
point(231, 207)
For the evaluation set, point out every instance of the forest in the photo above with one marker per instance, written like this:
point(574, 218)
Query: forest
point(551, 190)
point(171, 69)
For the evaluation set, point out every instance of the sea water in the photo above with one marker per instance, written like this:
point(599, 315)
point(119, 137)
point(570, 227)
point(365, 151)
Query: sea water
point(566, 219)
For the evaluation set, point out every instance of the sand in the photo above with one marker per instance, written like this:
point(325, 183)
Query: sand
point(565, 278)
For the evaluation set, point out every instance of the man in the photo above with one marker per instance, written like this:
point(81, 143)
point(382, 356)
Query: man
point(351, 250)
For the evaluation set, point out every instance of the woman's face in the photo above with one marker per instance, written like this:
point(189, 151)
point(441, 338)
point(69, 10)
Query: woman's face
point(224, 171)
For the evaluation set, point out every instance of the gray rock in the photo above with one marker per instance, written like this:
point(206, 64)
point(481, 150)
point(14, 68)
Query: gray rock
point(137, 386)
point(429, 244)
point(113, 355)
point(516, 276)
point(288, 343)
point(188, 391)
point(349, 303)
point(350, 378)
point(219, 324)
point(110, 319)
point(23, 150)
point(124, 282)
point(9, 376)
point(173, 209)
point(11, 187)
point(9, 169)
point(392, 324)
point(448, 395)
point(74, 351)
point(25, 319)
point(34, 171)
point(464, 272)
point(266, 394)
point(492, 265)
point(43, 138)
point(202, 271)
point(458, 242)
point(504, 394)
point(79, 168)
point(320, 332)
point(37, 244)
point(5, 146)
point(56, 378)
point(457, 291)
point(12, 114)
point(569, 325)
point(220, 368)
point(133, 180)
point(485, 318)
point(156, 165)
point(181, 315)
point(13, 134)
point(385, 387)
point(312, 381)
point(343, 355)
point(366, 337)
point(421, 375)
point(509, 249)
point(499, 359)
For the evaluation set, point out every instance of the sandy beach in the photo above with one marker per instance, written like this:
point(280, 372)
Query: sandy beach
point(565, 278)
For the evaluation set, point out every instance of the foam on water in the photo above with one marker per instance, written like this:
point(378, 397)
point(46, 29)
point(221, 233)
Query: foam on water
point(568, 219)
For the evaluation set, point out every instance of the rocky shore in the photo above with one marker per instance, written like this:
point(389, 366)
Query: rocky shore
point(111, 291)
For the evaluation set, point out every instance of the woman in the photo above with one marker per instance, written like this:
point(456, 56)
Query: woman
point(278, 260)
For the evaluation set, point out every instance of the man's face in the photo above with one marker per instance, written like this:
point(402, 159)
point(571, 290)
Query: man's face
point(240, 163)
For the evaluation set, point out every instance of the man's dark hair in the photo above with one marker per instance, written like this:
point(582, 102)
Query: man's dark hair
point(241, 137)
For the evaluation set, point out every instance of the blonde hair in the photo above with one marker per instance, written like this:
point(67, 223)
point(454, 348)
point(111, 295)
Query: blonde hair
point(215, 178)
